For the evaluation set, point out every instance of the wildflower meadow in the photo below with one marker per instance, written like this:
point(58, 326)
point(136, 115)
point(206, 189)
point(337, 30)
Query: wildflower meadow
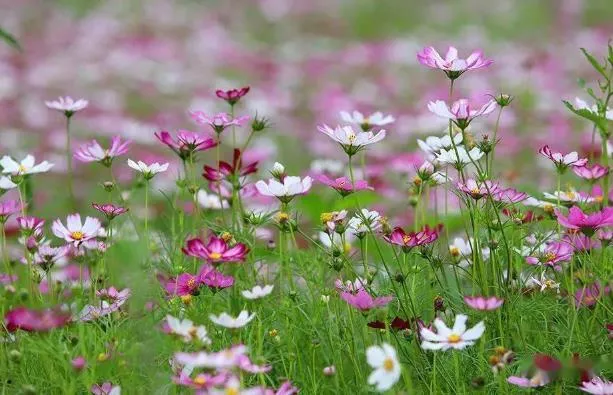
point(326, 197)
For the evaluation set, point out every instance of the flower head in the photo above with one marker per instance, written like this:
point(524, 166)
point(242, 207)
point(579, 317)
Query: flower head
point(409, 240)
point(597, 385)
point(343, 185)
point(386, 366)
point(552, 255)
point(218, 122)
point(459, 157)
point(8, 208)
point(257, 292)
point(364, 222)
point(25, 167)
point(216, 251)
point(285, 191)
point(106, 389)
point(110, 210)
point(562, 161)
point(187, 143)
point(75, 231)
point(35, 320)
point(232, 96)
point(461, 113)
point(433, 144)
point(148, 171)
point(483, 303)
point(93, 151)
point(476, 189)
point(186, 330)
point(367, 122)
point(457, 337)
point(586, 223)
point(591, 173)
point(352, 141)
point(232, 172)
point(67, 105)
point(362, 300)
point(227, 321)
point(451, 64)
point(31, 226)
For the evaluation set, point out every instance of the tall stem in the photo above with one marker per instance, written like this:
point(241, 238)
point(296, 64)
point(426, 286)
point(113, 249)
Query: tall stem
point(69, 160)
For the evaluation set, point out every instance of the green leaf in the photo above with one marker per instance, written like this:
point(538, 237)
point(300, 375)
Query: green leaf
point(9, 39)
point(597, 66)
point(600, 122)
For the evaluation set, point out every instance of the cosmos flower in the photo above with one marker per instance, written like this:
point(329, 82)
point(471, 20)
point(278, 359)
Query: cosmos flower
point(287, 190)
point(257, 292)
point(597, 385)
point(364, 222)
point(67, 105)
point(367, 122)
point(186, 330)
point(362, 300)
point(551, 255)
point(457, 337)
point(509, 196)
point(216, 251)
point(214, 279)
point(433, 144)
point(350, 286)
point(25, 167)
point(352, 141)
point(148, 171)
point(343, 185)
point(543, 365)
point(113, 295)
point(461, 158)
point(562, 161)
point(460, 111)
point(75, 231)
point(110, 210)
point(184, 284)
point(569, 196)
point(588, 296)
point(46, 256)
point(6, 183)
point(452, 65)
point(8, 208)
point(230, 171)
point(227, 321)
point(78, 363)
point(544, 283)
point(409, 240)
point(591, 173)
point(386, 366)
point(35, 320)
point(477, 190)
point(210, 200)
point(31, 226)
point(230, 358)
point(218, 122)
point(461, 251)
point(93, 151)
point(107, 388)
point(483, 303)
point(187, 142)
point(586, 223)
point(232, 96)
point(581, 104)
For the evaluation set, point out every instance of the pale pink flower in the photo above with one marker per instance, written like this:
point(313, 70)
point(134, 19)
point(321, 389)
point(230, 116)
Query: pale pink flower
point(67, 105)
point(75, 231)
point(451, 64)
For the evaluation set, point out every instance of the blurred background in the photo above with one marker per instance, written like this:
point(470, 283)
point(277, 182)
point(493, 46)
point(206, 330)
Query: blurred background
point(144, 64)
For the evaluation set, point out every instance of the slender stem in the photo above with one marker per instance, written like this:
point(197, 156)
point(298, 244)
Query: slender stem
point(69, 160)
point(5, 255)
point(223, 211)
point(490, 169)
point(147, 214)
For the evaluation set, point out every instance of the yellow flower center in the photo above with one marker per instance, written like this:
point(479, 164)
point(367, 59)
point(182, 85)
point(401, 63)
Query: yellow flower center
point(191, 283)
point(454, 251)
point(200, 380)
point(78, 235)
point(474, 191)
point(406, 239)
point(347, 248)
point(273, 333)
point(550, 256)
point(232, 391)
point(282, 217)
point(22, 169)
point(192, 331)
point(351, 138)
point(388, 364)
point(453, 338)
point(326, 217)
point(548, 208)
point(214, 255)
point(598, 199)
point(417, 180)
point(549, 283)
point(226, 236)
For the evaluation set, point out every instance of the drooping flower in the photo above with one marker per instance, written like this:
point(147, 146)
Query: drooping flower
point(367, 122)
point(460, 111)
point(148, 171)
point(25, 167)
point(187, 142)
point(483, 303)
point(257, 292)
point(598, 385)
point(78, 363)
point(216, 251)
point(35, 320)
point(75, 231)
point(218, 122)
point(8, 208)
point(562, 161)
point(343, 185)
point(586, 223)
point(93, 151)
point(110, 210)
point(386, 366)
point(362, 300)
point(227, 321)
point(409, 240)
point(67, 105)
point(232, 172)
point(452, 65)
point(476, 189)
point(459, 157)
point(457, 337)
point(591, 173)
point(187, 331)
point(232, 96)
point(352, 141)
point(287, 190)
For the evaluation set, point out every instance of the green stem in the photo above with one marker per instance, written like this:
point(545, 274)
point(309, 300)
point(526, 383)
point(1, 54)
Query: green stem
point(69, 161)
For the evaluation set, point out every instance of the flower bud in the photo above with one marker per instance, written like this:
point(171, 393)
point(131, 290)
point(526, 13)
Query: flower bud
point(439, 303)
point(259, 124)
point(15, 356)
point(108, 186)
point(503, 99)
point(278, 171)
point(78, 363)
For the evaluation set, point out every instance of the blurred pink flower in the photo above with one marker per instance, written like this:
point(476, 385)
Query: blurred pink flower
point(343, 185)
point(483, 303)
point(362, 300)
point(187, 142)
point(93, 151)
point(67, 105)
point(218, 122)
point(232, 96)
point(460, 111)
point(216, 251)
point(591, 173)
point(8, 208)
point(562, 161)
point(452, 65)
point(110, 210)
point(35, 320)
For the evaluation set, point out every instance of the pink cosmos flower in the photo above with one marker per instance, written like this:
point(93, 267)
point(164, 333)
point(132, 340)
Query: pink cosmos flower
point(586, 223)
point(75, 231)
point(110, 210)
point(31, 226)
point(214, 279)
point(93, 151)
point(588, 296)
point(183, 284)
point(597, 385)
point(343, 185)
point(460, 111)
point(6, 279)
point(105, 389)
point(216, 251)
point(230, 171)
point(201, 381)
point(8, 208)
point(452, 65)
point(35, 320)
point(350, 286)
point(113, 295)
point(409, 240)
point(187, 143)
point(67, 105)
point(483, 303)
point(232, 96)
point(111, 300)
point(561, 161)
point(553, 254)
point(287, 388)
point(46, 256)
point(591, 173)
point(218, 122)
point(233, 357)
point(78, 363)
point(362, 300)
point(351, 141)
point(477, 190)
point(509, 196)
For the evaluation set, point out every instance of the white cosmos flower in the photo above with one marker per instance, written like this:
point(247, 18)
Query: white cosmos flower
point(434, 144)
point(570, 196)
point(386, 366)
point(227, 321)
point(359, 224)
point(457, 337)
point(285, 191)
point(67, 105)
point(375, 119)
point(335, 241)
point(547, 206)
point(187, 330)
point(462, 158)
point(257, 292)
point(6, 183)
point(26, 166)
point(210, 200)
point(224, 359)
point(327, 166)
point(461, 250)
point(581, 104)
point(148, 170)
point(349, 139)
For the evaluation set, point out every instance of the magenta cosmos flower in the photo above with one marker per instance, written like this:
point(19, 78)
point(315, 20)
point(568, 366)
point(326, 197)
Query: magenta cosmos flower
point(67, 105)
point(362, 300)
point(93, 151)
point(452, 65)
point(409, 240)
point(591, 173)
point(477, 190)
point(460, 112)
point(586, 223)
point(214, 279)
point(219, 122)
point(230, 171)
point(183, 284)
point(483, 303)
point(588, 296)
point(343, 185)
point(110, 210)
point(561, 161)
point(35, 320)
point(216, 251)
point(75, 231)
point(187, 142)
point(232, 96)
point(8, 208)
point(553, 254)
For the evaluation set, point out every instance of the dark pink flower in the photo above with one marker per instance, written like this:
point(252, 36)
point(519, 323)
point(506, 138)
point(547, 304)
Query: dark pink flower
point(187, 142)
point(586, 223)
point(362, 300)
point(477, 190)
point(110, 210)
point(216, 251)
point(214, 279)
point(593, 173)
point(554, 253)
point(483, 303)
point(78, 363)
point(8, 208)
point(232, 96)
point(112, 295)
point(35, 320)
point(451, 64)
point(409, 240)
point(343, 185)
point(183, 284)
point(231, 172)
point(562, 161)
